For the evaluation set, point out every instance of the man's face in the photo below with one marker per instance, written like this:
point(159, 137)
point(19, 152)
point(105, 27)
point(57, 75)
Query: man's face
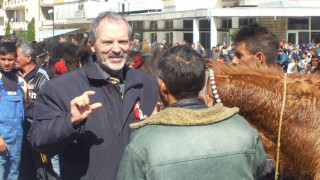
point(224, 44)
point(21, 59)
point(112, 45)
point(304, 56)
point(242, 54)
point(7, 62)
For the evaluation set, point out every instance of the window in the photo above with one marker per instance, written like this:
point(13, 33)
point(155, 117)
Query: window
point(315, 23)
point(303, 37)
point(168, 24)
point(298, 23)
point(188, 37)
point(205, 39)
point(136, 25)
point(246, 21)
point(226, 23)
point(188, 24)
point(169, 37)
point(153, 37)
point(153, 25)
point(204, 25)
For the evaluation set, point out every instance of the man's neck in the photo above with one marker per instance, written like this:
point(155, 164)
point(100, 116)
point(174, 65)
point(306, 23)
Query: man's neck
point(27, 69)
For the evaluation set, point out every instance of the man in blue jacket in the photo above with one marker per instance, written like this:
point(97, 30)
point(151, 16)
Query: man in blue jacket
point(283, 60)
point(84, 115)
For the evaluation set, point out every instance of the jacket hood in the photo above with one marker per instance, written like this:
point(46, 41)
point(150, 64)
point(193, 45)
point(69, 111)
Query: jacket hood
point(188, 117)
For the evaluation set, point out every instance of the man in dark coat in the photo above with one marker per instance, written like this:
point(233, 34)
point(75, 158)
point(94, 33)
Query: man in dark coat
point(84, 115)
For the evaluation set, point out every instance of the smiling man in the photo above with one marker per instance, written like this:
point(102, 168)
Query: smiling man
point(84, 115)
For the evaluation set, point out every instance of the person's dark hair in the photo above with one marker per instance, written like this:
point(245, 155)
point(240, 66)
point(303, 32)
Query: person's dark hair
point(183, 71)
point(109, 16)
point(63, 51)
point(28, 49)
point(8, 47)
point(305, 53)
point(258, 39)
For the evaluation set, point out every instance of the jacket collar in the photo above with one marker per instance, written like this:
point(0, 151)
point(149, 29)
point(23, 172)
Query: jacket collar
point(192, 103)
point(188, 117)
point(32, 73)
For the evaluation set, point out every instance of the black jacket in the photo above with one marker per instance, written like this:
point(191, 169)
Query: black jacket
point(36, 79)
point(92, 150)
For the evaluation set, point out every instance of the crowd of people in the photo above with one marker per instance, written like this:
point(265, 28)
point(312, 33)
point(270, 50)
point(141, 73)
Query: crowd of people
point(81, 124)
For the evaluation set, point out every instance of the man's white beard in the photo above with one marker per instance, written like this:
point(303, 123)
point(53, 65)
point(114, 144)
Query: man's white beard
point(114, 67)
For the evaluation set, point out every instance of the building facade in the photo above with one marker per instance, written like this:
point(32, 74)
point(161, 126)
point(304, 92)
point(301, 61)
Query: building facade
point(19, 12)
point(210, 22)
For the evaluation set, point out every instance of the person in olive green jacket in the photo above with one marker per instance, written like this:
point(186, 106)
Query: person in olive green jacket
point(188, 140)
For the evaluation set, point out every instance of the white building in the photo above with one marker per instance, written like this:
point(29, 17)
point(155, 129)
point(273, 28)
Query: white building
point(20, 12)
point(208, 21)
point(213, 22)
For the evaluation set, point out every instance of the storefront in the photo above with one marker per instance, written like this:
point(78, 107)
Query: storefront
point(303, 30)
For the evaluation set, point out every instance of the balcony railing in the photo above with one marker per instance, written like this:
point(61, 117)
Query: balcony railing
point(19, 25)
point(15, 4)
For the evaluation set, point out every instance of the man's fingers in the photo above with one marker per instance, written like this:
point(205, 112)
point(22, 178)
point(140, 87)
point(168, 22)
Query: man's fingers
point(95, 106)
point(89, 93)
point(83, 100)
point(85, 97)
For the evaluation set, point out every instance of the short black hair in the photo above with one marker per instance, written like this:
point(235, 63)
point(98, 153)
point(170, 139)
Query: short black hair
point(8, 47)
point(258, 38)
point(183, 71)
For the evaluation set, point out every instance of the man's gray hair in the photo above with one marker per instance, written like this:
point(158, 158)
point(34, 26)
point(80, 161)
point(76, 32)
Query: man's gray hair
point(28, 49)
point(109, 16)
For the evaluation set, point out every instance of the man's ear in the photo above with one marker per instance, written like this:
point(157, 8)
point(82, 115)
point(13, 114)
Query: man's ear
point(260, 57)
point(91, 45)
point(29, 59)
point(163, 90)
